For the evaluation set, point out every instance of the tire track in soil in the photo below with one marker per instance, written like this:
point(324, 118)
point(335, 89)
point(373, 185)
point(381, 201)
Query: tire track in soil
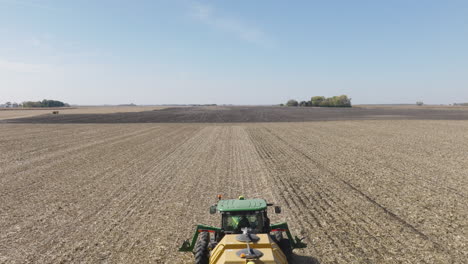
point(443, 237)
point(324, 209)
point(238, 171)
point(291, 195)
point(27, 191)
point(127, 204)
point(167, 184)
point(50, 164)
point(48, 135)
point(141, 201)
point(437, 246)
point(221, 165)
point(331, 173)
point(207, 171)
point(415, 149)
point(110, 153)
point(17, 149)
point(398, 156)
point(433, 239)
point(214, 164)
point(57, 142)
point(62, 155)
point(342, 213)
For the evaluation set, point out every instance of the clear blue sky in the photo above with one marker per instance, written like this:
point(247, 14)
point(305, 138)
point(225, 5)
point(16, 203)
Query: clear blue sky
point(233, 52)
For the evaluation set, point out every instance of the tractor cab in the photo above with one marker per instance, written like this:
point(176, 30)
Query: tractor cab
point(237, 214)
point(245, 235)
point(233, 222)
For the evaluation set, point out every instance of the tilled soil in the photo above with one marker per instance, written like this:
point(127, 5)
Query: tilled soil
point(235, 114)
point(359, 191)
point(12, 113)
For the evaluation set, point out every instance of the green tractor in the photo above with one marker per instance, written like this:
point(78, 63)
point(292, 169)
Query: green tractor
point(245, 236)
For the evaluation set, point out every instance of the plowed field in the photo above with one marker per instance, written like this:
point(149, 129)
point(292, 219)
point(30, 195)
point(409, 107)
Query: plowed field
point(393, 191)
point(244, 114)
point(11, 113)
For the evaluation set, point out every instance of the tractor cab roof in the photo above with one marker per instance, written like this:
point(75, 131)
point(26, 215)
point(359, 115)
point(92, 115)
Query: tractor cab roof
point(241, 205)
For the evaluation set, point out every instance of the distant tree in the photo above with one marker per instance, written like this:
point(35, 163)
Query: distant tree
point(326, 103)
point(419, 103)
point(335, 101)
point(342, 101)
point(317, 100)
point(322, 101)
point(8, 104)
point(45, 103)
point(52, 103)
point(31, 104)
point(281, 105)
point(292, 102)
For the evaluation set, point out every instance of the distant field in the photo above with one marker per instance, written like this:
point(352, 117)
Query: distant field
point(392, 191)
point(243, 114)
point(438, 107)
point(9, 113)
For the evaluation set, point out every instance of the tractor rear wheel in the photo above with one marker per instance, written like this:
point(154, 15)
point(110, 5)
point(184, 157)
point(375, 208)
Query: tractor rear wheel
point(283, 243)
point(201, 248)
point(285, 246)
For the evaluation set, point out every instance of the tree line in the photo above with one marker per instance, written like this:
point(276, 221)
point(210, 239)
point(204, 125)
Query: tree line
point(322, 101)
point(43, 103)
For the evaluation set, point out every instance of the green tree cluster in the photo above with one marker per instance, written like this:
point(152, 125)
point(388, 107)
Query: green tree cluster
point(335, 101)
point(317, 100)
point(45, 103)
point(292, 102)
point(322, 101)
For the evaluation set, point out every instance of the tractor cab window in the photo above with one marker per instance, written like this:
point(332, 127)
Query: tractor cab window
point(235, 221)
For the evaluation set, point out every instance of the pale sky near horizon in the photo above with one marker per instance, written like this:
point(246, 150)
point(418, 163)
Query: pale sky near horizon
point(233, 52)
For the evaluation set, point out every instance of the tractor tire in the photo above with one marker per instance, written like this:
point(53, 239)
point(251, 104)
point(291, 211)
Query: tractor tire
point(285, 246)
point(202, 254)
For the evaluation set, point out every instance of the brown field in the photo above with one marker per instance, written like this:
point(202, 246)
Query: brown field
point(242, 114)
point(373, 191)
point(438, 107)
point(9, 113)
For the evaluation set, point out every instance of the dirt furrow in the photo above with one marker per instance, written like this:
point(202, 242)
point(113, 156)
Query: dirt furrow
point(389, 188)
point(341, 214)
point(359, 191)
